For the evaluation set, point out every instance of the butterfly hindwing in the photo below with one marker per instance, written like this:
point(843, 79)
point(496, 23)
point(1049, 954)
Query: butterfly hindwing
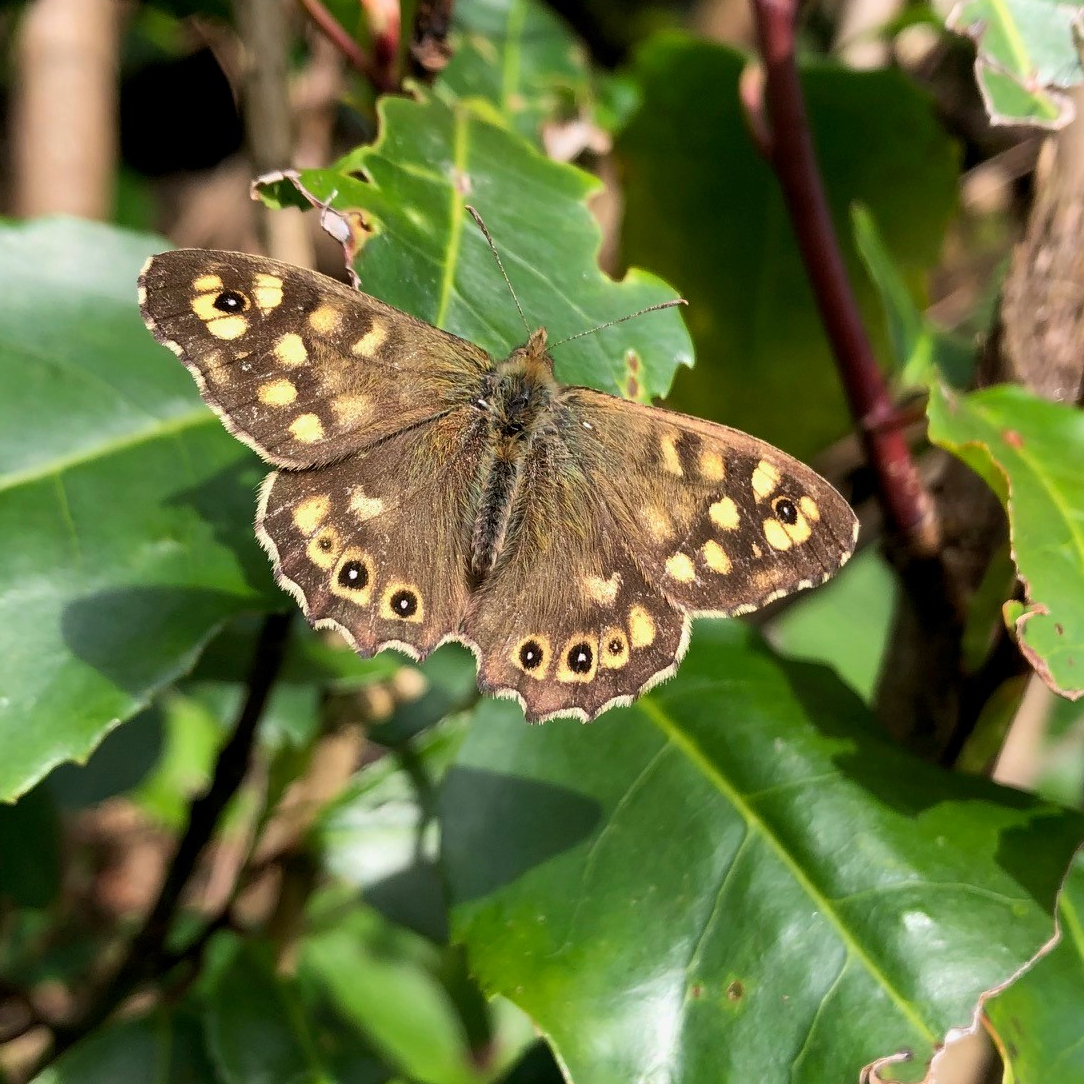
point(302, 368)
point(375, 545)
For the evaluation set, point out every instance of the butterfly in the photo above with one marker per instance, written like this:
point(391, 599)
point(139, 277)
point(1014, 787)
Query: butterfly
point(425, 492)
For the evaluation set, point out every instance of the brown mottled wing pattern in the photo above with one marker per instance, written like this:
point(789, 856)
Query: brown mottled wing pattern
point(300, 367)
point(638, 519)
point(569, 623)
point(376, 545)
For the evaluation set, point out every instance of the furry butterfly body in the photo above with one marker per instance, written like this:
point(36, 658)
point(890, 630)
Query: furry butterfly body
point(425, 492)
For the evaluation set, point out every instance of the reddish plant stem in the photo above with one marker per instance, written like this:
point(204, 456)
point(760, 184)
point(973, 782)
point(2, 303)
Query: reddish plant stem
point(334, 31)
point(908, 510)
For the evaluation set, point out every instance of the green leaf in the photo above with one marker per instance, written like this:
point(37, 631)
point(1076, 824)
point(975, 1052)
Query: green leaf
point(257, 1029)
point(704, 210)
point(124, 505)
point(387, 982)
point(1037, 1023)
point(1029, 450)
point(161, 1048)
point(427, 257)
point(521, 59)
point(921, 351)
point(1027, 51)
point(735, 880)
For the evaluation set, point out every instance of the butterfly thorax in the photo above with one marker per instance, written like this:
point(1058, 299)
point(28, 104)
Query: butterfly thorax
point(516, 400)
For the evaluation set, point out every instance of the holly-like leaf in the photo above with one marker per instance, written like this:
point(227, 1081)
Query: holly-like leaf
point(427, 256)
point(125, 508)
point(1028, 53)
point(1038, 1021)
point(735, 879)
point(1030, 450)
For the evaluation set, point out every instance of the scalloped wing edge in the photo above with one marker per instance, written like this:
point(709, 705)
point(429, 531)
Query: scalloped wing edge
point(504, 692)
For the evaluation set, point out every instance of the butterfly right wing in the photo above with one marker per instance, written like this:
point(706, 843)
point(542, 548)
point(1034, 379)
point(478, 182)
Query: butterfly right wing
point(301, 368)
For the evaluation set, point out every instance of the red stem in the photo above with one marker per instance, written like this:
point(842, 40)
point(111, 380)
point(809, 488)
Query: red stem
point(908, 509)
point(333, 30)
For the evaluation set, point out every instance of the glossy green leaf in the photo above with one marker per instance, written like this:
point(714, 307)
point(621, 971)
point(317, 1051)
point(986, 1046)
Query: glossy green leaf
point(1030, 451)
point(845, 624)
point(735, 879)
point(521, 59)
point(429, 258)
point(388, 982)
point(1028, 50)
point(124, 506)
point(162, 1048)
point(1038, 1022)
point(703, 209)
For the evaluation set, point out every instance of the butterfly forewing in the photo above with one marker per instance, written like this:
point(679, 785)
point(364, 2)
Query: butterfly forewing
point(302, 368)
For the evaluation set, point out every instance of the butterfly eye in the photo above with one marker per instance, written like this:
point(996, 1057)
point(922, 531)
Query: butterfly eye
point(580, 658)
point(404, 603)
point(785, 510)
point(230, 301)
point(353, 574)
point(531, 655)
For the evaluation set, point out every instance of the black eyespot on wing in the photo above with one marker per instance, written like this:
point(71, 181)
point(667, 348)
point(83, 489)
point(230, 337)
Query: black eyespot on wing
point(353, 575)
point(580, 658)
point(530, 655)
point(615, 646)
point(230, 301)
point(404, 603)
point(786, 510)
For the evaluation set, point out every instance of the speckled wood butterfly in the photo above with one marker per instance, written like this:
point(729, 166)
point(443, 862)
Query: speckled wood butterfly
point(427, 493)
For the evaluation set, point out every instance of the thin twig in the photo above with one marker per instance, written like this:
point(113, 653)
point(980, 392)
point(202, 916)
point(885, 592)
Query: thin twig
point(909, 512)
point(334, 31)
point(147, 953)
point(429, 49)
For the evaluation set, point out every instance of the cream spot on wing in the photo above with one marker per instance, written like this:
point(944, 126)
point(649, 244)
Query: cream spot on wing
point(765, 478)
point(218, 368)
point(724, 513)
point(600, 590)
point(715, 557)
point(365, 507)
point(657, 522)
point(671, 461)
point(207, 283)
point(799, 530)
point(613, 647)
point(141, 295)
point(679, 566)
point(757, 551)
point(290, 349)
point(371, 341)
point(310, 513)
point(277, 393)
point(641, 627)
point(711, 465)
point(776, 535)
point(268, 292)
point(324, 547)
point(307, 429)
point(228, 327)
point(326, 319)
point(350, 409)
point(809, 509)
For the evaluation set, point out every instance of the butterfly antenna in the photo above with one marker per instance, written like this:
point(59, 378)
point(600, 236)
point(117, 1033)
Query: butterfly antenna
point(622, 319)
point(497, 256)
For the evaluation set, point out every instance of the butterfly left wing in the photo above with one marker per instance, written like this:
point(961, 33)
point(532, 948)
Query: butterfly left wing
point(375, 545)
point(300, 367)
